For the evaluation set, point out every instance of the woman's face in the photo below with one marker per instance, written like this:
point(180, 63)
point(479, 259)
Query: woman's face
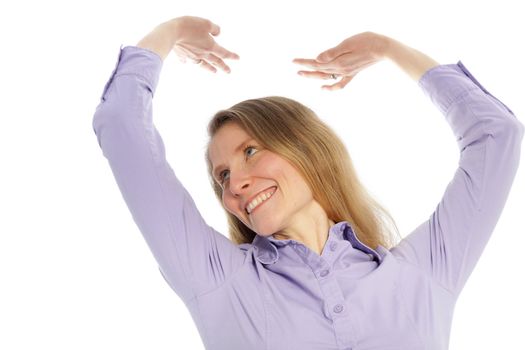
point(246, 171)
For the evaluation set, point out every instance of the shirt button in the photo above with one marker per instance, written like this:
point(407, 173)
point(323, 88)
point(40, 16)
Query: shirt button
point(333, 246)
point(324, 273)
point(338, 308)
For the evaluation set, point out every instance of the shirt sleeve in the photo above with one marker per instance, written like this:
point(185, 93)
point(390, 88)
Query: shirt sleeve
point(448, 245)
point(193, 258)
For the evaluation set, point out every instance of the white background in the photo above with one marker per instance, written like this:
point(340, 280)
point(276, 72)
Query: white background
point(75, 272)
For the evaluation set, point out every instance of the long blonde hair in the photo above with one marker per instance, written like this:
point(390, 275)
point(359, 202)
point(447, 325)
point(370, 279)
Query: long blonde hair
point(293, 131)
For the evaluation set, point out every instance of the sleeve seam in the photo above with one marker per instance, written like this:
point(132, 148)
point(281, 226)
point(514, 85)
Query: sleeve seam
point(479, 200)
point(156, 165)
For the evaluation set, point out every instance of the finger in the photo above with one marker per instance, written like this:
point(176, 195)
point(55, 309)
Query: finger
point(208, 66)
point(330, 54)
point(344, 60)
point(223, 53)
point(307, 62)
point(340, 84)
point(215, 29)
point(318, 66)
point(316, 74)
point(218, 62)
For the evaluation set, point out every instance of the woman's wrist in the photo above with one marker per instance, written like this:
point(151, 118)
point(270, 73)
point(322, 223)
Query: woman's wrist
point(162, 38)
point(411, 61)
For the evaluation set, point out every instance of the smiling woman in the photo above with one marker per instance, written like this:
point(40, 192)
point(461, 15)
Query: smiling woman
point(300, 155)
point(310, 263)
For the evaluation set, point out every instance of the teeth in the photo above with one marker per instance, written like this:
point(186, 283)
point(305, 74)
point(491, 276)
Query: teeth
point(258, 200)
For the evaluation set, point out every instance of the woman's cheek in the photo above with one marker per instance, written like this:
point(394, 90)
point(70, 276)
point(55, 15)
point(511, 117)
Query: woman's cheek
point(228, 204)
point(266, 165)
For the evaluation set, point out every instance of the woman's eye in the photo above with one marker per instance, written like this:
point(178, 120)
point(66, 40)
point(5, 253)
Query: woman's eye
point(248, 148)
point(222, 176)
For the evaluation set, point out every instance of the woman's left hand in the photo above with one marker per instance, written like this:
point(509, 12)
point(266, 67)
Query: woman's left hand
point(346, 59)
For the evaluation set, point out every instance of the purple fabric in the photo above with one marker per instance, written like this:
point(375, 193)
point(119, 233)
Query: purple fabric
point(278, 294)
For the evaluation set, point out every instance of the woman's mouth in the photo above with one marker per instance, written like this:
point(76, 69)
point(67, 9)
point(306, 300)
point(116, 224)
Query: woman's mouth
point(261, 198)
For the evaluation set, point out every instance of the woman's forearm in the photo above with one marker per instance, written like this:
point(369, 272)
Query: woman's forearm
point(161, 39)
point(411, 61)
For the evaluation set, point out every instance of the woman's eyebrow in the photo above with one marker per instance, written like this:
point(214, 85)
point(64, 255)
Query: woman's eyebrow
point(237, 150)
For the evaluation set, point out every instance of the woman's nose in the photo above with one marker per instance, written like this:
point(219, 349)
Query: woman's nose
point(239, 181)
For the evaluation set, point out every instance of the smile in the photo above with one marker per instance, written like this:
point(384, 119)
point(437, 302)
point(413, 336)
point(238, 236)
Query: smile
point(257, 201)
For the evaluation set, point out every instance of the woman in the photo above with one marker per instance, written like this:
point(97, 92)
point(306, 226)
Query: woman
point(309, 264)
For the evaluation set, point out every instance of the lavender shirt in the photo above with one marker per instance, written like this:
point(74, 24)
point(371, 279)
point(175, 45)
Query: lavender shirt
point(278, 294)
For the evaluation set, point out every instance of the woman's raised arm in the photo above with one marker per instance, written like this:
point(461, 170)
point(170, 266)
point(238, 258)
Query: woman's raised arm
point(448, 245)
point(191, 255)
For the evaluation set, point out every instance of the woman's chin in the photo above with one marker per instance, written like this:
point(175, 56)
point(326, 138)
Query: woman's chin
point(265, 230)
point(264, 233)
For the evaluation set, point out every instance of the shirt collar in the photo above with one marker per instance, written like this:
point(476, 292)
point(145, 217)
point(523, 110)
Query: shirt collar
point(267, 248)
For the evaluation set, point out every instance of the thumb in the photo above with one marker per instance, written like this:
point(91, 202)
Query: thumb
point(327, 56)
point(215, 29)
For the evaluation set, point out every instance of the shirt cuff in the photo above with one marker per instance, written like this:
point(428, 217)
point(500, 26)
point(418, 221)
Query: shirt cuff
point(445, 84)
point(140, 62)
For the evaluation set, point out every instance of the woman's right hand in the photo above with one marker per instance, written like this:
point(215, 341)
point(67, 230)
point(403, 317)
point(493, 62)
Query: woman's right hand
point(189, 37)
point(193, 41)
